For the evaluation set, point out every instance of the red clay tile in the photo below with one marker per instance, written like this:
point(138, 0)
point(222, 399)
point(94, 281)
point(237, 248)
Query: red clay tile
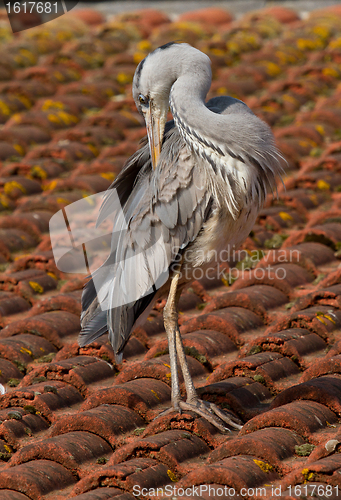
point(16, 186)
point(327, 469)
point(54, 120)
point(38, 219)
point(60, 302)
point(258, 298)
point(35, 346)
point(37, 478)
point(332, 9)
point(186, 421)
point(203, 345)
point(303, 417)
point(317, 252)
point(26, 134)
point(324, 366)
point(87, 183)
point(12, 304)
point(319, 319)
point(12, 495)
point(14, 104)
point(38, 285)
point(189, 300)
point(23, 349)
point(79, 372)
point(101, 92)
point(6, 72)
point(158, 368)
point(142, 395)
point(73, 285)
point(42, 261)
point(177, 31)
point(302, 199)
point(231, 321)
point(328, 447)
point(331, 279)
point(279, 218)
point(104, 493)
point(170, 447)
point(209, 15)
point(9, 371)
point(326, 297)
point(285, 277)
point(330, 216)
point(16, 351)
point(8, 151)
point(306, 130)
point(13, 240)
point(282, 14)
point(38, 169)
point(295, 343)
point(270, 367)
point(44, 397)
point(89, 16)
point(142, 472)
point(70, 450)
point(236, 472)
point(277, 371)
point(134, 347)
point(277, 446)
point(17, 427)
point(52, 325)
point(212, 278)
point(324, 390)
point(144, 20)
point(246, 397)
point(328, 234)
point(306, 255)
point(29, 85)
point(24, 225)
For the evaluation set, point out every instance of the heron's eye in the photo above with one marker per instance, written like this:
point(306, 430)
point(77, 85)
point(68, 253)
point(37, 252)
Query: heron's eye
point(143, 99)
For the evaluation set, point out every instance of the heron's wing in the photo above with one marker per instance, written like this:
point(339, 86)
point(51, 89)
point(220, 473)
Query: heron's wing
point(164, 213)
point(93, 318)
point(171, 211)
point(248, 139)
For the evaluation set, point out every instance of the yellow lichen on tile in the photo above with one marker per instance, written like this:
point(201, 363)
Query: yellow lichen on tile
point(265, 467)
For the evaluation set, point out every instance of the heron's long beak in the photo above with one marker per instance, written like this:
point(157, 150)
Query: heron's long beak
point(155, 129)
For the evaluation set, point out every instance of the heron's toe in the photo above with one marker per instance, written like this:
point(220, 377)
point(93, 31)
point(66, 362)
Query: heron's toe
point(172, 409)
point(213, 414)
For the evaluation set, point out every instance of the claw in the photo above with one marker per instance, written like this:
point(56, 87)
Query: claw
point(166, 412)
point(212, 414)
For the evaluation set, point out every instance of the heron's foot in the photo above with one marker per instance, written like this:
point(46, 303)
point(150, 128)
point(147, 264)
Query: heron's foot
point(175, 408)
point(212, 413)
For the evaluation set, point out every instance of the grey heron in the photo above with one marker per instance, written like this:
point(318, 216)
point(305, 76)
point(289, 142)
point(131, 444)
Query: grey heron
point(192, 191)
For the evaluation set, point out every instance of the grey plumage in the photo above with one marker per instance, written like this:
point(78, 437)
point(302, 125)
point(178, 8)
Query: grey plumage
point(186, 199)
point(169, 202)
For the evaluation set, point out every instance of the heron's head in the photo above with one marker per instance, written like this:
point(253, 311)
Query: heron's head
point(153, 80)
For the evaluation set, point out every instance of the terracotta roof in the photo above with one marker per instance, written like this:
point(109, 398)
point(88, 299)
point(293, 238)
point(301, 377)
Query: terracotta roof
point(262, 336)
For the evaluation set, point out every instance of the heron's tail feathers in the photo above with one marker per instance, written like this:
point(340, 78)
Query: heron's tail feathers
point(119, 322)
point(96, 327)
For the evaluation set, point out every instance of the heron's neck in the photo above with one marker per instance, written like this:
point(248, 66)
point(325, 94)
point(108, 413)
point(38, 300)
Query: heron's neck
point(187, 102)
point(237, 146)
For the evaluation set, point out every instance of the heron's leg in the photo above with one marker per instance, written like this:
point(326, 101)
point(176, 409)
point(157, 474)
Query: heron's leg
point(170, 318)
point(190, 389)
point(209, 411)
